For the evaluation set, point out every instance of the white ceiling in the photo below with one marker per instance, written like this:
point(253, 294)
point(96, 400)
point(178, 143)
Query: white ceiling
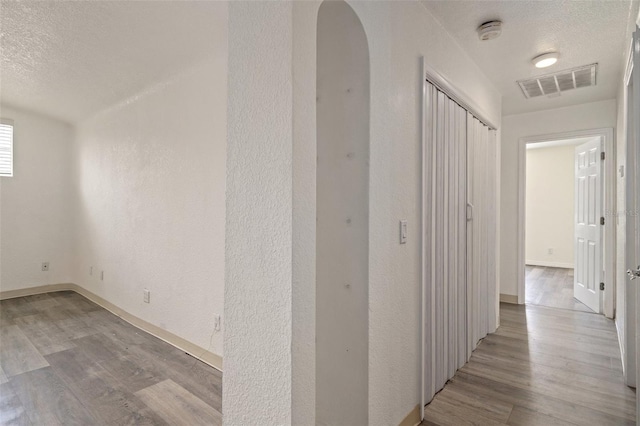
point(71, 59)
point(583, 32)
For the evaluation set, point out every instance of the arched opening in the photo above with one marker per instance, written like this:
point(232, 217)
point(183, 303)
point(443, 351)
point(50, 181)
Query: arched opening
point(342, 229)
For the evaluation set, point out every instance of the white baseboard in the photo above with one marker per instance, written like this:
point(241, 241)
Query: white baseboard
point(413, 418)
point(509, 298)
point(192, 349)
point(567, 265)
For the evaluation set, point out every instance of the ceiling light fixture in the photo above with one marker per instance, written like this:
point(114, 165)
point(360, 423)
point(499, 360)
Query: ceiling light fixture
point(545, 60)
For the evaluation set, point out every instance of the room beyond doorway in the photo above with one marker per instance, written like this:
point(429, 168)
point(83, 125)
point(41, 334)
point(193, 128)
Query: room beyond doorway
point(551, 248)
point(588, 241)
point(551, 287)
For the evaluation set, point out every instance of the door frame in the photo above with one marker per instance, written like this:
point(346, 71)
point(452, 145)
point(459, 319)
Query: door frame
point(609, 175)
point(629, 347)
point(630, 121)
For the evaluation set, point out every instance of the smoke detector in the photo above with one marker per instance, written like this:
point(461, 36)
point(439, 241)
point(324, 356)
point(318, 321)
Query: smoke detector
point(489, 30)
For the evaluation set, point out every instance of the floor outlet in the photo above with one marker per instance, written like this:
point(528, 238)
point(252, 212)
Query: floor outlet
point(147, 295)
point(45, 266)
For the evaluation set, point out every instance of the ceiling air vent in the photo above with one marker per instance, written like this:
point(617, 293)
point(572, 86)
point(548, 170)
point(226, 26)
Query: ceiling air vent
point(553, 84)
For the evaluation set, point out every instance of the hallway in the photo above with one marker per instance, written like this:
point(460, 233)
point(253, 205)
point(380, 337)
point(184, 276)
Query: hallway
point(543, 366)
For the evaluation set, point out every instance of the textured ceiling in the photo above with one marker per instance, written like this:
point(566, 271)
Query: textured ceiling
point(71, 59)
point(583, 32)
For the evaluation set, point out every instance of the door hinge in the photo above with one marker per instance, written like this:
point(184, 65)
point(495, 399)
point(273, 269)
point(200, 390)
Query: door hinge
point(602, 220)
point(602, 155)
point(601, 286)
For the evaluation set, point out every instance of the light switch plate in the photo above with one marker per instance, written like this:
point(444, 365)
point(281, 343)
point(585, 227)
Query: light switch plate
point(403, 232)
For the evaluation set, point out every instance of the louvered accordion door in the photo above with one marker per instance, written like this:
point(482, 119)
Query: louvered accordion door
point(458, 237)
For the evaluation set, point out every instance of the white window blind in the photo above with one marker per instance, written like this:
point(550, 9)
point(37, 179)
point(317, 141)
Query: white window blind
point(6, 148)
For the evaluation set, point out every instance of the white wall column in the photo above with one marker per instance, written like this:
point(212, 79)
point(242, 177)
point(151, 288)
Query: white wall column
point(258, 252)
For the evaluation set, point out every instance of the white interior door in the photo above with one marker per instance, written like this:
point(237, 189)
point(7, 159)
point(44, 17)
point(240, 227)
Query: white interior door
point(588, 229)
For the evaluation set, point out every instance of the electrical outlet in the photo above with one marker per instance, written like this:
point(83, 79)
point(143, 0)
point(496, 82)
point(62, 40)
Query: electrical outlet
point(550, 251)
point(45, 266)
point(146, 296)
point(101, 275)
point(217, 322)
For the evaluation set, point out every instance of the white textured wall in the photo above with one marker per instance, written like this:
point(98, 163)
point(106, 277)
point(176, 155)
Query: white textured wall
point(342, 228)
point(258, 291)
point(150, 209)
point(550, 206)
point(36, 203)
point(580, 117)
point(399, 34)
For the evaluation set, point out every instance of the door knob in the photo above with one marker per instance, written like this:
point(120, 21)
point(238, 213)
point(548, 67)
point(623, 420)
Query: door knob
point(634, 274)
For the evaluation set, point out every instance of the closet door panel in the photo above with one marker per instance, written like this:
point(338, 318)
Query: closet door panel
point(458, 247)
point(428, 227)
point(461, 212)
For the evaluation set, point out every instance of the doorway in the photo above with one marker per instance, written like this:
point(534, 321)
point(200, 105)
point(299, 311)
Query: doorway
point(550, 248)
point(553, 243)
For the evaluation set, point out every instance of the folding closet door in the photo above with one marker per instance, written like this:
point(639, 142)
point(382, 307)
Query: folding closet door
point(444, 239)
point(481, 253)
point(459, 237)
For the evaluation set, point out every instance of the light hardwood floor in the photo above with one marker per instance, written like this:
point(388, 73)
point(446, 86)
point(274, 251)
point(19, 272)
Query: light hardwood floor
point(543, 366)
point(551, 287)
point(66, 361)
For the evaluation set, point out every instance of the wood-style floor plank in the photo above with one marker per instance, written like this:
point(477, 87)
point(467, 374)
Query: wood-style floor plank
point(11, 410)
point(45, 335)
point(489, 408)
point(525, 417)
point(543, 366)
point(42, 301)
point(176, 405)
point(48, 401)
point(3, 377)
point(13, 308)
point(17, 353)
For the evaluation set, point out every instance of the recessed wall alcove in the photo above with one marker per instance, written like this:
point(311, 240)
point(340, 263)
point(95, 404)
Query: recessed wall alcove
point(342, 238)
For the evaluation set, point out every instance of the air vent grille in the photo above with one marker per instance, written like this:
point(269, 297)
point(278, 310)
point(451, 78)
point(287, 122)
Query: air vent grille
point(553, 84)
